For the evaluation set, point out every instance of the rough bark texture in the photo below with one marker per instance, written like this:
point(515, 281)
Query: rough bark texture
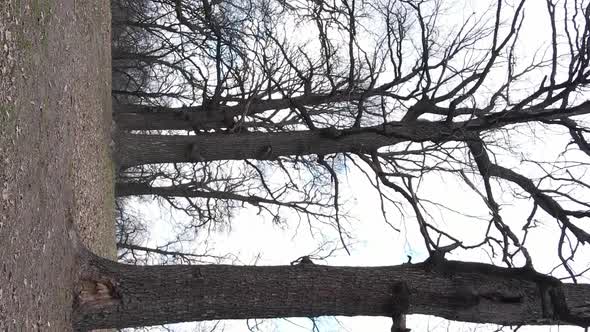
point(136, 149)
point(140, 188)
point(110, 294)
point(140, 117)
point(149, 149)
point(133, 117)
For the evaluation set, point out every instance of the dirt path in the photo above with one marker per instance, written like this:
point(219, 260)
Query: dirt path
point(55, 166)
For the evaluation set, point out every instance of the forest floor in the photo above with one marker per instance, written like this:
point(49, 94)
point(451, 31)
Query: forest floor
point(55, 160)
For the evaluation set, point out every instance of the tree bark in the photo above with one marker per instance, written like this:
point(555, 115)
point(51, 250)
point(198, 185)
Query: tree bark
point(114, 295)
point(136, 149)
point(139, 189)
point(138, 117)
point(141, 117)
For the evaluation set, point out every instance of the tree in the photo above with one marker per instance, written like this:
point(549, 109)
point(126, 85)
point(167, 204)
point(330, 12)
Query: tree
point(385, 87)
point(145, 149)
point(110, 294)
point(131, 233)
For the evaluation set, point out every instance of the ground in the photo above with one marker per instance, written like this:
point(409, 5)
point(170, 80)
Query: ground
point(55, 161)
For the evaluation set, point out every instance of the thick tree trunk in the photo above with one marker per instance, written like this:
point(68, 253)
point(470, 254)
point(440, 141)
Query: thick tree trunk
point(110, 294)
point(149, 149)
point(136, 149)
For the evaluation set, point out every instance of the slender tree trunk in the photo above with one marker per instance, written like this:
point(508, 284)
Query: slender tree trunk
point(111, 294)
point(138, 117)
point(139, 189)
point(141, 117)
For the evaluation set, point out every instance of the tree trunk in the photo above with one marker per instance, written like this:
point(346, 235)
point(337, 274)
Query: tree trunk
point(123, 189)
point(138, 117)
point(136, 149)
point(141, 117)
point(183, 190)
point(114, 295)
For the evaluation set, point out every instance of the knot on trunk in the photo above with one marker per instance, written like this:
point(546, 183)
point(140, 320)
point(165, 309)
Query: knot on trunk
point(194, 154)
point(303, 261)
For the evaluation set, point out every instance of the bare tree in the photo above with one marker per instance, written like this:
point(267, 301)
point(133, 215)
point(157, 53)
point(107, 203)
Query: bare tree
point(111, 294)
point(132, 235)
point(394, 90)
